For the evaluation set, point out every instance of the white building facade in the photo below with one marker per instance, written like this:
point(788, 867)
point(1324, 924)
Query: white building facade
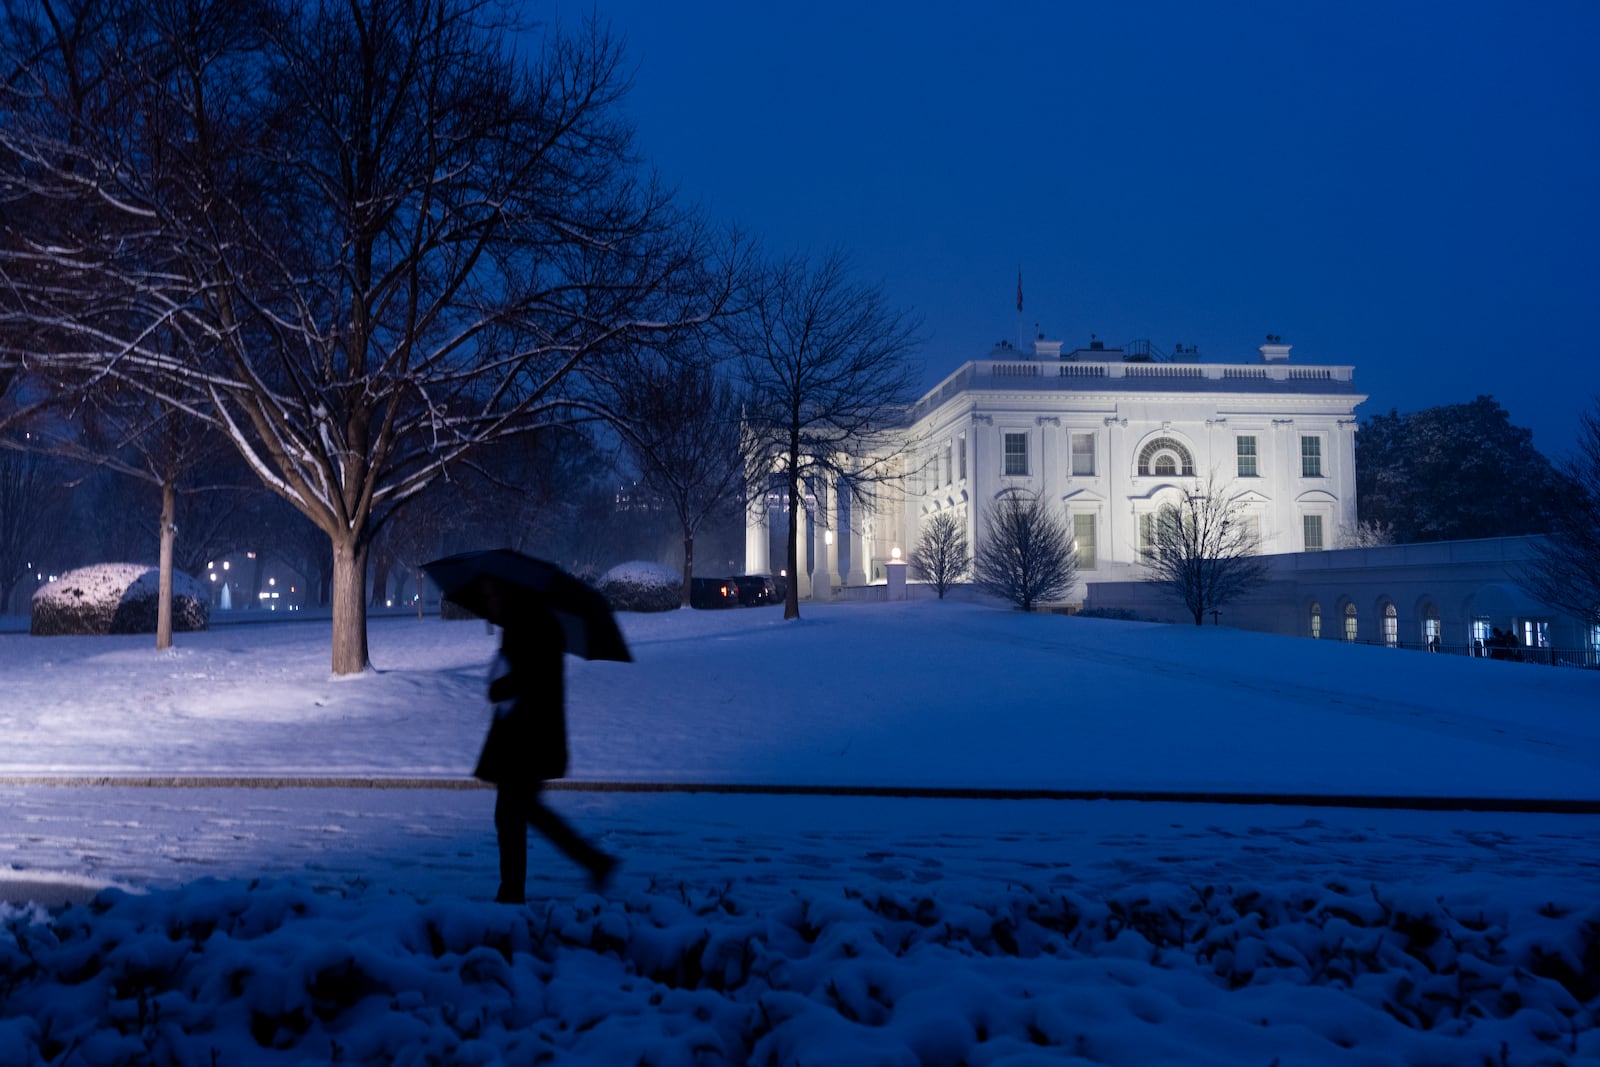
point(1108, 440)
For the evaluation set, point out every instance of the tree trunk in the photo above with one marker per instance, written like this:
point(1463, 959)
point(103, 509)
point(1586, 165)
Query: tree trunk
point(169, 533)
point(688, 564)
point(791, 552)
point(349, 608)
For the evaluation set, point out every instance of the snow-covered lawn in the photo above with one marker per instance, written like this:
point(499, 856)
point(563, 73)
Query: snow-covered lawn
point(352, 925)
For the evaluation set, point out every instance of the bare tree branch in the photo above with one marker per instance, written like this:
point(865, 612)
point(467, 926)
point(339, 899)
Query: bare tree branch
point(1203, 551)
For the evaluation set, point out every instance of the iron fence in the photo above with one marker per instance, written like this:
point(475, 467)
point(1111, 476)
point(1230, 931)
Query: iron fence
point(1588, 658)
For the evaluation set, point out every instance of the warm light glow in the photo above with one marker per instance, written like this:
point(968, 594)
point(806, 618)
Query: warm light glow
point(213, 576)
point(272, 581)
point(249, 555)
point(225, 564)
point(827, 537)
point(894, 554)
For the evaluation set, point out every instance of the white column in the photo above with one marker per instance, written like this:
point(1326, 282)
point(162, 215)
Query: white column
point(802, 575)
point(758, 536)
point(858, 542)
point(828, 508)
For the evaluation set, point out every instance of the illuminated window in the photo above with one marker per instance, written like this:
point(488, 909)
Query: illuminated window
point(1083, 534)
point(1016, 455)
point(1482, 630)
point(1083, 454)
point(1432, 632)
point(1391, 626)
point(1316, 619)
point(1310, 457)
point(1311, 526)
point(1349, 622)
point(1165, 456)
point(1246, 450)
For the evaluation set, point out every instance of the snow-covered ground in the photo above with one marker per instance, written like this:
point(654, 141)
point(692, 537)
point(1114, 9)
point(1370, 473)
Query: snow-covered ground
point(353, 924)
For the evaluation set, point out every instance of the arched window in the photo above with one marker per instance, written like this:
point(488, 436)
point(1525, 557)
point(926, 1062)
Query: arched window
point(1391, 626)
point(1431, 630)
point(1164, 456)
point(1349, 622)
point(1316, 619)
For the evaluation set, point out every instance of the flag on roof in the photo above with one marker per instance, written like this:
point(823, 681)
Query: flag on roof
point(1019, 286)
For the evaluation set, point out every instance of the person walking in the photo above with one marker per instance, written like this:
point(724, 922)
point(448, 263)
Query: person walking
point(527, 746)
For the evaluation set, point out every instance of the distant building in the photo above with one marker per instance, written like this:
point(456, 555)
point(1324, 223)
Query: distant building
point(1465, 597)
point(1107, 436)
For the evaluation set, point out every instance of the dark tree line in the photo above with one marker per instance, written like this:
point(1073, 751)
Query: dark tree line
point(1453, 472)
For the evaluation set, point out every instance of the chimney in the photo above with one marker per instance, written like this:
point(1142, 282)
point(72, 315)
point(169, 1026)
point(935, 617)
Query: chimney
point(1043, 349)
point(1274, 351)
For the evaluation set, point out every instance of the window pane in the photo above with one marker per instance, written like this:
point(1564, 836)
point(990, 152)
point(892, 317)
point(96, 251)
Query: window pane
point(1312, 526)
point(1316, 619)
point(1310, 457)
point(1016, 455)
point(1083, 533)
point(1349, 622)
point(961, 458)
point(1247, 456)
point(1083, 454)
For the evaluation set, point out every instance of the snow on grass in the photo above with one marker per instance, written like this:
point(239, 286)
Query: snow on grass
point(808, 930)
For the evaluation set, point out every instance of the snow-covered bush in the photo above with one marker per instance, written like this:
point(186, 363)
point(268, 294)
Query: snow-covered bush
point(640, 586)
point(116, 598)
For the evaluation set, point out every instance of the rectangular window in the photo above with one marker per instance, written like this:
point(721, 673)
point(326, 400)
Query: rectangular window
point(1246, 445)
point(1016, 455)
point(1482, 631)
point(1312, 527)
point(1083, 534)
point(1083, 454)
point(961, 457)
point(1536, 633)
point(949, 464)
point(1310, 457)
point(1147, 535)
point(1250, 534)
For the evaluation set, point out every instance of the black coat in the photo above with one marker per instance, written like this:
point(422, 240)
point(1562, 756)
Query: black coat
point(527, 741)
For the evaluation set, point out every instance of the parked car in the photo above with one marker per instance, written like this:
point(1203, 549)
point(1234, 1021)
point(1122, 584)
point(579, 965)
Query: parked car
point(755, 589)
point(713, 593)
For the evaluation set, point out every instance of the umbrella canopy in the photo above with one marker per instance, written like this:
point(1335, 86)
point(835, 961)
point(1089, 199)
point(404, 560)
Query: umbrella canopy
point(505, 586)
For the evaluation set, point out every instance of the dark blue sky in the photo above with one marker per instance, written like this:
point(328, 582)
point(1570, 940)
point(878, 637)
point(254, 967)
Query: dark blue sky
point(1410, 188)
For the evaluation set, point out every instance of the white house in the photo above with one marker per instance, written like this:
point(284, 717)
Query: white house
point(1107, 436)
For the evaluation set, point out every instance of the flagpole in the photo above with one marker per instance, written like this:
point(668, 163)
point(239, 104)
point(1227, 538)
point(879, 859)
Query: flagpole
point(1020, 339)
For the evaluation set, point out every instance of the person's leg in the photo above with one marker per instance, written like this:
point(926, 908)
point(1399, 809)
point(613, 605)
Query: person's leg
point(511, 832)
point(563, 836)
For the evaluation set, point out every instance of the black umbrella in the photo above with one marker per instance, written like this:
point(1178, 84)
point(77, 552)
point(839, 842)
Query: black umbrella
point(504, 586)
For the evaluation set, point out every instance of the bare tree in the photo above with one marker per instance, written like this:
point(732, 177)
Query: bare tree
point(1366, 534)
point(941, 556)
point(683, 429)
point(361, 239)
point(827, 364)
point(1566, 573)
point(1026, 554)
point(1203, 551)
